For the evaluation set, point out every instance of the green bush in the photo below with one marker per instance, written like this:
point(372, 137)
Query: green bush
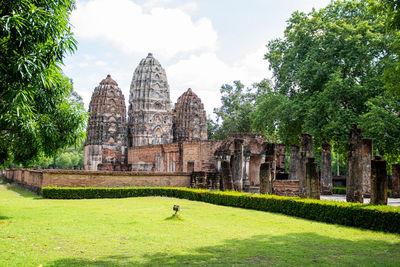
point(383, 218)
point(4, 180)
point(339, 190)
point(342, 191)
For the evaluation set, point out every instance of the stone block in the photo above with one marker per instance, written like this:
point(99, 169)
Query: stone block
point(312, 179)
point(326, 169)
point(395, 181)
point(379, 181)
point(354, 189)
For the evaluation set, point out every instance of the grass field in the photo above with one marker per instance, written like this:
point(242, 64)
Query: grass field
point(141, 231)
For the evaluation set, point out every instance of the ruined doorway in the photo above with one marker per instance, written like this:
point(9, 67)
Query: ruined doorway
point(190, 166)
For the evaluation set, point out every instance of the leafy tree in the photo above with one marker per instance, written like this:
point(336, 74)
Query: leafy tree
point(237, 105)
point(211, 128)
point(39, 112)
point(74, 159)
point(44, 163)
point(328, 73)
point(70, 158)
point(64, 161)
point(389, 10)
point(382, 123)
point(270, 107)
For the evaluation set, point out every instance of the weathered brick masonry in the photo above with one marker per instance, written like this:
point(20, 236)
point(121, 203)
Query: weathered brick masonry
point(34, 180)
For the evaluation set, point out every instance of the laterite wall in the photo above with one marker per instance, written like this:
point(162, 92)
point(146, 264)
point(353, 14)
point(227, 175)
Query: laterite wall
point(36, 179)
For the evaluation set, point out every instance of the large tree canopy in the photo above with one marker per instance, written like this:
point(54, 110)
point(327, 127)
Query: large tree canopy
point(389, 10)
point(328, 73)
point(39, 113)
point(233, 116)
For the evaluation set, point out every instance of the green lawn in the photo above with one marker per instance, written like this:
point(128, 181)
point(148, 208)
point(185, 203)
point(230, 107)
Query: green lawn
point(140, 231)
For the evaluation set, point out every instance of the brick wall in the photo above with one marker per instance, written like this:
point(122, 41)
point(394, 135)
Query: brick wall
point(34, 180)
point(29, 179)
point(143, 154)
point(286, 187)
point(174, 158)
point(111, 155)
point(113, 179)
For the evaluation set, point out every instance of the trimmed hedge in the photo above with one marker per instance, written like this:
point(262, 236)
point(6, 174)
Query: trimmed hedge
point(339, 190)
point(342, 191)
point(382, 218)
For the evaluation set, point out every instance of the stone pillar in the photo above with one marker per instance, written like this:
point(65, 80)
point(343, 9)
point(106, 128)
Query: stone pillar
point(246, 181)
point(395, 181)
point(265, 178)
point(306, 151)
point(168, 165)
point(326, 169)
point(226, 175)
point(294, 162)
point(379, 181)
point(254, 170)
point(237, 172)
point(270, 158)
point(158, 163)
point(354, 169)
point(367, 154)
point(312, 179)
point(216, 178)
point(280, 151)
point(218, 164)
point(180, 160)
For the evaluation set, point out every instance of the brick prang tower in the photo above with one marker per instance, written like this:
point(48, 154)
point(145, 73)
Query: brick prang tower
point(189, 118)
point(150, 116)
point(106, 130)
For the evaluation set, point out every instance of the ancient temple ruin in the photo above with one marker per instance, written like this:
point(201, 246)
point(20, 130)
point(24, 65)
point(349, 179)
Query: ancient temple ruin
point(158, 139)
point(150, 116)
point(189, 120)
point(163, 141)
point(155, 138)
point(106, 130)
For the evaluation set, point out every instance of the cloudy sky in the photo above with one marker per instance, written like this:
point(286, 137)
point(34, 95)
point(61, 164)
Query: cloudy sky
point(202, 44)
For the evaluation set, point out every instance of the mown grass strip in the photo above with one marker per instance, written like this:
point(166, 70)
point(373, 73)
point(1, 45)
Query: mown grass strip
point(381, 218)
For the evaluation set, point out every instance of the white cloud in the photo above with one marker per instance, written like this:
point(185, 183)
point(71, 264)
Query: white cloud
point(100, 63)
point(253, 66)
point(206, 73)
point(155, 3)
point(187, 49)
point(164, 31)
point(83, 65)
point(191, 6)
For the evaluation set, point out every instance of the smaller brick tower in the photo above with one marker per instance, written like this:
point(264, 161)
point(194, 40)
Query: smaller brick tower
point(189, 122)
point(106, 130)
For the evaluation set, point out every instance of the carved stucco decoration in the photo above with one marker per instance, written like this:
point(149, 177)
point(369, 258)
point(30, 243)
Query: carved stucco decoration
point(189, 118)
point(106, 128)
point(150, 117)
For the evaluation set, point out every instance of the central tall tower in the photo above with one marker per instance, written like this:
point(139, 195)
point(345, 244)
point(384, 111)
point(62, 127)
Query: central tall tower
point(150, 115)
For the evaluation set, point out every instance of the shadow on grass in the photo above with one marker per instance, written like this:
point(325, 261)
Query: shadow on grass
point(23, 192)
point(174, 217)
point(4, 217)
point(288, 250)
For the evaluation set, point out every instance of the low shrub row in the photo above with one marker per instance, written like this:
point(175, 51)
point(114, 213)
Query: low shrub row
point(382, 218)
point(339, 190)
point(342, 191)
